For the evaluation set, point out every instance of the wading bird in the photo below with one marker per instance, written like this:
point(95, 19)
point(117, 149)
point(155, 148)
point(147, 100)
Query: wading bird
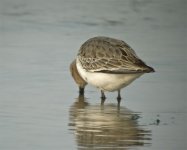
point(108, 64)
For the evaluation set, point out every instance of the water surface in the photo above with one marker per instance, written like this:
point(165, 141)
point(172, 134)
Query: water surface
point(39, 104)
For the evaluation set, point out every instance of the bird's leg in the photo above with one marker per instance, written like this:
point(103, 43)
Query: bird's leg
point(119, 98)
point(81, 91)
point(103, 97)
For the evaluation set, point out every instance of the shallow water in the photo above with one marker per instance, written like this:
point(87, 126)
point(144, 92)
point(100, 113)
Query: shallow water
point(39, 103)
point(106, 126)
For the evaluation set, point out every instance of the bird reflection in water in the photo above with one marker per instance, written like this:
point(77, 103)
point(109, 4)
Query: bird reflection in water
point(106, 126)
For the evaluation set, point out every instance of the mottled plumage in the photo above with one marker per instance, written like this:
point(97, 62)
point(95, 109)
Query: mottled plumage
point(103, 54)
point(109, 64)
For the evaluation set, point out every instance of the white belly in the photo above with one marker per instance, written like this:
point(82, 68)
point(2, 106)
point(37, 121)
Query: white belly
point(106, 81)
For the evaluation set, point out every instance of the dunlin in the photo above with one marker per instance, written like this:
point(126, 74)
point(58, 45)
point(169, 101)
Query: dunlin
point(108, 64)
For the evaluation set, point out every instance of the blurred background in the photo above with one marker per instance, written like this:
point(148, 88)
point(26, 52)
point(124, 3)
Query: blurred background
point(39, 103)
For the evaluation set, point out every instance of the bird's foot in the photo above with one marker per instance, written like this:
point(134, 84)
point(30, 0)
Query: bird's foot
point(81, 91)
point(103, 97)
point(118, 100)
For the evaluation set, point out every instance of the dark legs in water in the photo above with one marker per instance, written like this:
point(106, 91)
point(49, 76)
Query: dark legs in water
point(119, 98)
point(81, 91)
point(103, 97)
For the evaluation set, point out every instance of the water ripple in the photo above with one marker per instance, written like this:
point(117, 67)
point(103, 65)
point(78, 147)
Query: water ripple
point(106, 127)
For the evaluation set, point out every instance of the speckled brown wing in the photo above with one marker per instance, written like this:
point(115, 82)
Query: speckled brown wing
point(103, 54)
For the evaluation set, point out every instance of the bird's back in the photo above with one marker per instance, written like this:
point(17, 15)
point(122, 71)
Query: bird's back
point(109, 55)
